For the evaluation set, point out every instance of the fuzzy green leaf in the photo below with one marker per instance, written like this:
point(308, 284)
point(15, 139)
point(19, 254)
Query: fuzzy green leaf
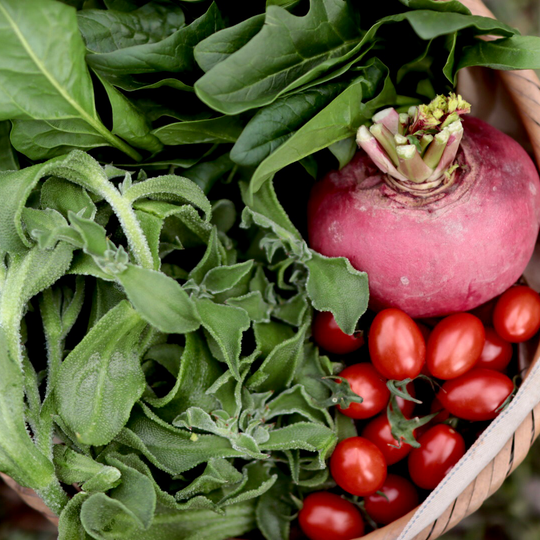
point(101, 378)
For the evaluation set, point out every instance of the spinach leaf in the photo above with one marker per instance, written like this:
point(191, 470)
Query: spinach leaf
point(171, 54)
point(338, 120)
point(8, 157)
point(220, 45)
point(294, 50)
point(43, 75)
point(106, 31)
point(274, 124)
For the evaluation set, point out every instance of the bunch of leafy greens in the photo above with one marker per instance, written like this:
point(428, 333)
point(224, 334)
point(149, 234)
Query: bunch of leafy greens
point(156, 295)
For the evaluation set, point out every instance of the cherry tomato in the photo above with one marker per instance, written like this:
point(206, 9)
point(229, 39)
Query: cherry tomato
point(396, 345)
point(455, 345)
point(516, 317)
point(365, 381)
point(400, 497)
point(476, 395)
point(328, 335)
point(326, 516)
point(441, 447)
point(379, 432)
point(497, 352)
point(358, 466)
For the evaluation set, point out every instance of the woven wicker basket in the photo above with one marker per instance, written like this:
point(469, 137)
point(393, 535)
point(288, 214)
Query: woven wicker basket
point(511, 102)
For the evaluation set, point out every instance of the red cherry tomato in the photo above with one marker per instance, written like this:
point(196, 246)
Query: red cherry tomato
point(516, 317)
point(396, 345)
point(326, 516)
point(476, 395)
point(365, 381)
point(328, 335)
point(358, 466)
point(455, 345)
point(441, 447)
point(497, 352)
point(400, 497)
point(378, 431)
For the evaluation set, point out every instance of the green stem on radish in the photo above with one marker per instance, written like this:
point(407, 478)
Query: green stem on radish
point(417, 149)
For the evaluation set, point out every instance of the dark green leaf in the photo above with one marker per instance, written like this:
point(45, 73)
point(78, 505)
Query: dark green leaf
point(288, 51)
point(219, 46)
point(197, 372)
point(277, 370)
point(171, 54)
point(108, 30)
point(173, 450)
point(338, 120)
point(8, 157)
point(222, 129)
point(517, 52)
point(273, 125)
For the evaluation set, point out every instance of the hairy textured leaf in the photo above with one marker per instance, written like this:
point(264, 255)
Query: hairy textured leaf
point(160, 300)
point(101, 378)
point(349, 300)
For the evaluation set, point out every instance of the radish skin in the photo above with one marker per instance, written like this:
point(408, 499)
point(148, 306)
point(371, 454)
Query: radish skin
point(430, 256)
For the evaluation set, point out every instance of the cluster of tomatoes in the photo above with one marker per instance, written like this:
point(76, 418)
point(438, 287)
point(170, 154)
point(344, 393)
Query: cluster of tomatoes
point(465, 361)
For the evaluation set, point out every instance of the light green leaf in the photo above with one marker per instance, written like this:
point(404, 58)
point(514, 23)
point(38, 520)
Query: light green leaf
point(170, 188)
point(224, 278)
point(19, 457)
point(63, 196)
point(70, 526)
point(160, 300)
point(226, 325)
point(254, 305)
point(101, 378)
point(73, 467)
point(349, 300)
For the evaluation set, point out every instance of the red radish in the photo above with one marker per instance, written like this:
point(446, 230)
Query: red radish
point(447, 224)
